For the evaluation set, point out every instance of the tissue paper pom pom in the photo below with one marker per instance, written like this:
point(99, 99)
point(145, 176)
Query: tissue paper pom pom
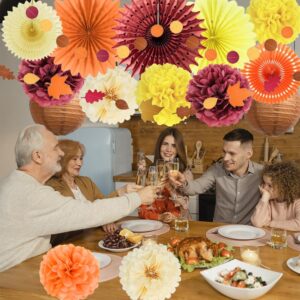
point(69, 272)
point(166, 87)
point(271, 17)
point(155, 275)
point(213, 81)
point(115, 99)
point(45, 69)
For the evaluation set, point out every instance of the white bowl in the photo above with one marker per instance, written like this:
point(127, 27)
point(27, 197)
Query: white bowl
point(270, 277)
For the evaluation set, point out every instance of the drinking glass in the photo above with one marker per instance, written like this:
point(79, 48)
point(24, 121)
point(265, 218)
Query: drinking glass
point(142, 169)
point(173, 169)
point(278, 238)
point(182, 221)
point(161, 172)
point(140, 177)
point(152, 176)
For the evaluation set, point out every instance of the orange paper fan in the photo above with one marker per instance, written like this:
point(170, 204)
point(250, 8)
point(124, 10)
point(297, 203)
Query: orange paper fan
point(88, 25)
point(282, 63)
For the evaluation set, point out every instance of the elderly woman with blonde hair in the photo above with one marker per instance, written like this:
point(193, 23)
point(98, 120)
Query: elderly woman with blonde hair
point(69, 183)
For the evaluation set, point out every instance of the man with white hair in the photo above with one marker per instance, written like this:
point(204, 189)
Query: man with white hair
point(30, 211)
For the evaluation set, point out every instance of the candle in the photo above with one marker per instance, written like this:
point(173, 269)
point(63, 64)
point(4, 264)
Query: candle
point(250, 256)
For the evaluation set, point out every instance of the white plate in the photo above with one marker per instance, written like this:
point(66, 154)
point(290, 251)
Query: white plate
point(142, 225)
point(103, 259)
point(291, 263)
point(241, 232)
point(100, 244)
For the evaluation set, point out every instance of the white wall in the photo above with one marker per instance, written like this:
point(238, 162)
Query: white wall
point(14, 112)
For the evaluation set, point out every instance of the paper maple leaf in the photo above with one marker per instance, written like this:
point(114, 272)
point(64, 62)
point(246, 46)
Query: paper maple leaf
point(94, 96)
point(58, 87)
point(237, 95)
point(183, 112)
point(148, 110)
point(6, 73)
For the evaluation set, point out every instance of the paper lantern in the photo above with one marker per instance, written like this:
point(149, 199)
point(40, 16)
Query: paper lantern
point(60, 119)
point(274, 119)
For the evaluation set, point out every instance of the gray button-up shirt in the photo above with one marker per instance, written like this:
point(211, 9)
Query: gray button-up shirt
point(236, 197)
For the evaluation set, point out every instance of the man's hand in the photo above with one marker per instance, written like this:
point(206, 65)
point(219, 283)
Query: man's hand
point(147, 194)
point(110, 228)
point(129, 188)
point(177, 179)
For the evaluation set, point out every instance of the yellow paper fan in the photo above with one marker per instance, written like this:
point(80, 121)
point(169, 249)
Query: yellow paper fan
point(26, 38)
point(228, 29)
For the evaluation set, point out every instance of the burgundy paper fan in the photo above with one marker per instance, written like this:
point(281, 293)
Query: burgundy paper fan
point(159, 31)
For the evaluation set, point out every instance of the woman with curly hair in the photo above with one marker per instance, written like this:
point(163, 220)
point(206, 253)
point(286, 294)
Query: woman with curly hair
point(279, 205)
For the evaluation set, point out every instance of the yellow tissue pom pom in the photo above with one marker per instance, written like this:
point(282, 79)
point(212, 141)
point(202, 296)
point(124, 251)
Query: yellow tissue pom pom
point(270, 18)
point(166, 86)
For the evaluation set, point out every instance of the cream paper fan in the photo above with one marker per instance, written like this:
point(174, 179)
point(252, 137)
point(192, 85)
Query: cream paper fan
point(24, 37)
point(116, 85)
point(228, 29)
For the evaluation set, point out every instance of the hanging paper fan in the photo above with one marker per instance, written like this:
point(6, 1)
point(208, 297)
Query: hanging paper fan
point(109, 98)
point(220, 96)
point(276, 19)
point(158, 33)
point(88, 27)
point(271, 75)
point(229, 33)
point(46, 84)
point(31, 38)
point(162, 90)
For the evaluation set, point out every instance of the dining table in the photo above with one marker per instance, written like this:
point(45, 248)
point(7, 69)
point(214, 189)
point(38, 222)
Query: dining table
point(23, 282)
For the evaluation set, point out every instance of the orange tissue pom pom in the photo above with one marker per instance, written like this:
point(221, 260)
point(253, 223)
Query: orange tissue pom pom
point(69, 272)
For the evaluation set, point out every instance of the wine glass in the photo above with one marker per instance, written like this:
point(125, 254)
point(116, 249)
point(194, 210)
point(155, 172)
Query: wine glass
point(161, 172)
point(152, 176)
point(173, 169)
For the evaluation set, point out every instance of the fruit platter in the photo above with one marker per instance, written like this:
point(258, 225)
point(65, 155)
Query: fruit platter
point(120, 241)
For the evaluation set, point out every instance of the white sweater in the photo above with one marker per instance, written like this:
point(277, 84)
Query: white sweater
point(30, 212)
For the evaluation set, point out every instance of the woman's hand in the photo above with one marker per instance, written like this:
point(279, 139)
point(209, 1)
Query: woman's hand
point(110, 228)
point(167, 217)
point(265, 195)
point(182, 201)
point(129, 188)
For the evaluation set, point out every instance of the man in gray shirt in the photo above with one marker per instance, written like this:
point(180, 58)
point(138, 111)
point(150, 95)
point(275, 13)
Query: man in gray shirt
point(236, 179)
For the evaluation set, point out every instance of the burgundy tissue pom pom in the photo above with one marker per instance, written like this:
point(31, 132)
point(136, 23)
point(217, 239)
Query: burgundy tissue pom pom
point(213, 81)
point(45, 69)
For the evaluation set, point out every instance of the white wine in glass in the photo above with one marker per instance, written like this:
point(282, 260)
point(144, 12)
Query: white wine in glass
point(152, 176)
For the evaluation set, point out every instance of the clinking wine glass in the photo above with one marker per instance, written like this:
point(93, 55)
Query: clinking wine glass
point(173, 169)
point(161, 172)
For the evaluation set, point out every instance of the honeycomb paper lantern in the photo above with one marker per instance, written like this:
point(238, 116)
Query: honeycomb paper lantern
point(274, 119)
point(60, 119)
